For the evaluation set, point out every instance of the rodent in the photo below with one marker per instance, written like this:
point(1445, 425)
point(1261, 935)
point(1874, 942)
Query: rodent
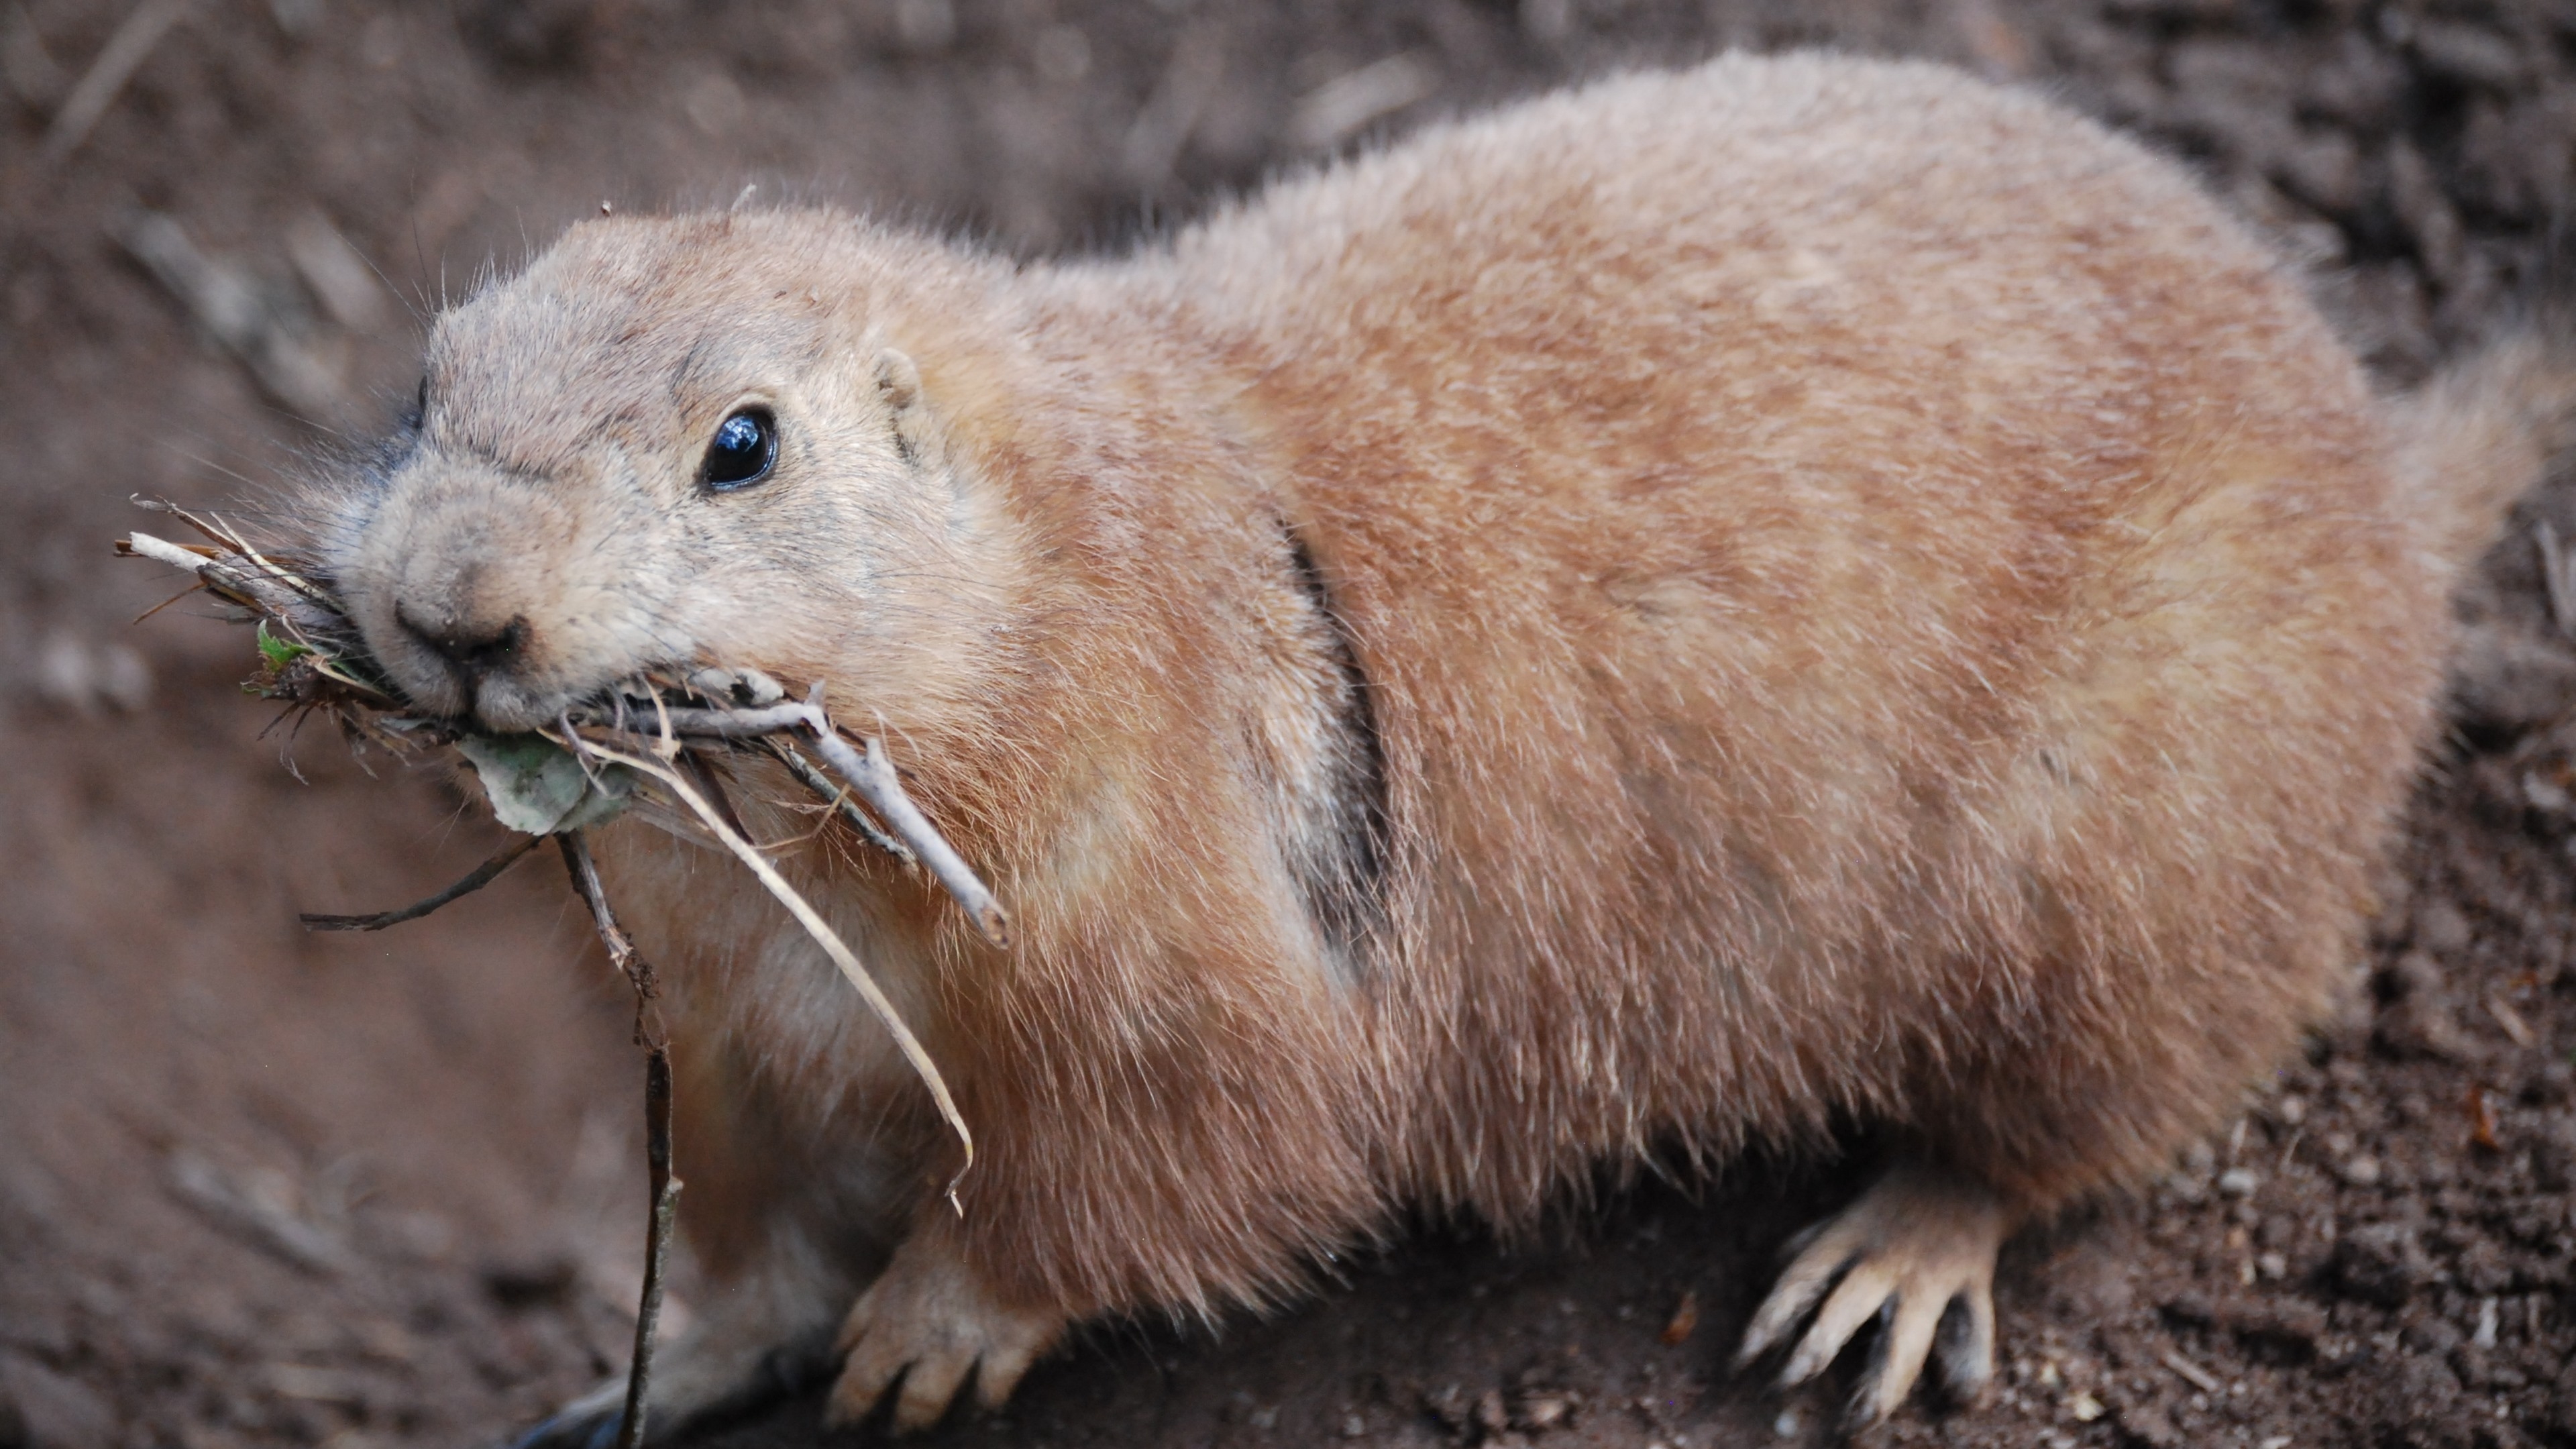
point(1681, 614)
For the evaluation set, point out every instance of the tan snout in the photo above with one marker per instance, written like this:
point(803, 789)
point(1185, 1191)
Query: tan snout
point(459, 627)
point(457, 605)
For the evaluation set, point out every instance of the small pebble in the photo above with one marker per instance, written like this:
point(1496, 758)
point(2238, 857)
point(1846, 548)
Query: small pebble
point(2239, 1182)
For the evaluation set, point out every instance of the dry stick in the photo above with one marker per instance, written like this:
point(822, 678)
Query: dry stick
point(657, 1240)
point(838, 797)
point(621, 949)
point(705, 776)
point(657, 1125)
point(483, 875)
point(874, 778)
point(232, 577)
point(815, 926)
point(252, 582)
point(224, 536)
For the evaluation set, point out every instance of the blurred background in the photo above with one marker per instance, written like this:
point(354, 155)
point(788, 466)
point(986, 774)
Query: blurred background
point(258, 1187)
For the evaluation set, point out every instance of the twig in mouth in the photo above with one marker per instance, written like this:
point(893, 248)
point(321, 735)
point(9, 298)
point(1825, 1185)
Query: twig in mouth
point(815, 926)
point(320, 664)
point(873, 777)
point(657, 1124)
point(224, 536)
point(228, 576)
point(838, 796)
point(704, 773)
point(312, 666)
point(481, 876)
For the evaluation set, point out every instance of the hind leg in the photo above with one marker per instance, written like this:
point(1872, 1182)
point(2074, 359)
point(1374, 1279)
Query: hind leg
point(1918, 1245)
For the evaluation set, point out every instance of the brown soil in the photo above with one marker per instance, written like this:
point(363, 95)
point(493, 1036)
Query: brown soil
point(259, 1187)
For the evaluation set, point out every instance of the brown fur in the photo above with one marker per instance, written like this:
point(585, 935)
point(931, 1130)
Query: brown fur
point(1876, 603)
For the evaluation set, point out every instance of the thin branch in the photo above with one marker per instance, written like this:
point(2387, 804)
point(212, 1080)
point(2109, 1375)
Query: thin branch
point(815, 926)
point(838, 797)
point(873, 776)
point(657, 1242)
point(621, 949)
point(223, 535)
point(875, 780)
point(695, 762)
point(665, 1188)
point(482, 875)
point(233, 579)
point(737, 724)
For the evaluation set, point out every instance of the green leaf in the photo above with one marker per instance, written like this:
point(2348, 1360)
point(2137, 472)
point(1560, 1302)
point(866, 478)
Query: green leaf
point(536, 788)
point(278, 651)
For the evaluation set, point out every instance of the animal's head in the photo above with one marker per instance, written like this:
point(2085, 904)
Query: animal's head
point(667, 443)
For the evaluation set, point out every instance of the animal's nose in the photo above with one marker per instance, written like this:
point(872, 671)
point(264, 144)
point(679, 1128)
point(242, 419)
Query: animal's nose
point(471, 647)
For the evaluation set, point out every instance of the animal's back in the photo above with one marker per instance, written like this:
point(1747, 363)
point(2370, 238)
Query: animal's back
point(1876, 599)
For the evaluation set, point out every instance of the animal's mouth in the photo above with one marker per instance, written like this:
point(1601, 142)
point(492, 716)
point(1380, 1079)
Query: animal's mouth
point(504, 686)
point(684, 686)
point(674, 700)
point(591, 762)
point(314, 657)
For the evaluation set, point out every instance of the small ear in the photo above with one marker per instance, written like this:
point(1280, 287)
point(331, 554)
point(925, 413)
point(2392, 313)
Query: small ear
point(898, 380)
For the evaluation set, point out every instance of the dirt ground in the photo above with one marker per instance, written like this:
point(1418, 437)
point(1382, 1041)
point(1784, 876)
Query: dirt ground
point(258, 1187)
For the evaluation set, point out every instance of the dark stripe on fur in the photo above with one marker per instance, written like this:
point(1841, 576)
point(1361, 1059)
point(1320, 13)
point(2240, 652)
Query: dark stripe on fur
point(1346, 891)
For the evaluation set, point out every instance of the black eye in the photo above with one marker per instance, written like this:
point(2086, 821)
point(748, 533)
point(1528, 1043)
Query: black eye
point(745, 445)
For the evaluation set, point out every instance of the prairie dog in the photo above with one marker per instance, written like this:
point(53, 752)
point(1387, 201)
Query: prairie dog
point(1683, 613)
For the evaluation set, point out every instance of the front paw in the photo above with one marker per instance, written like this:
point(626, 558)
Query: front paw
point(1917, 1252)
point(930, 1320)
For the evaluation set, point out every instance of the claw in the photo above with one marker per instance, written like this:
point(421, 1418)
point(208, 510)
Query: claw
point(928, 1388)
point(1002, 1368)
point(1916, 1252)
point(1967, 1345)
point(929, 1323)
